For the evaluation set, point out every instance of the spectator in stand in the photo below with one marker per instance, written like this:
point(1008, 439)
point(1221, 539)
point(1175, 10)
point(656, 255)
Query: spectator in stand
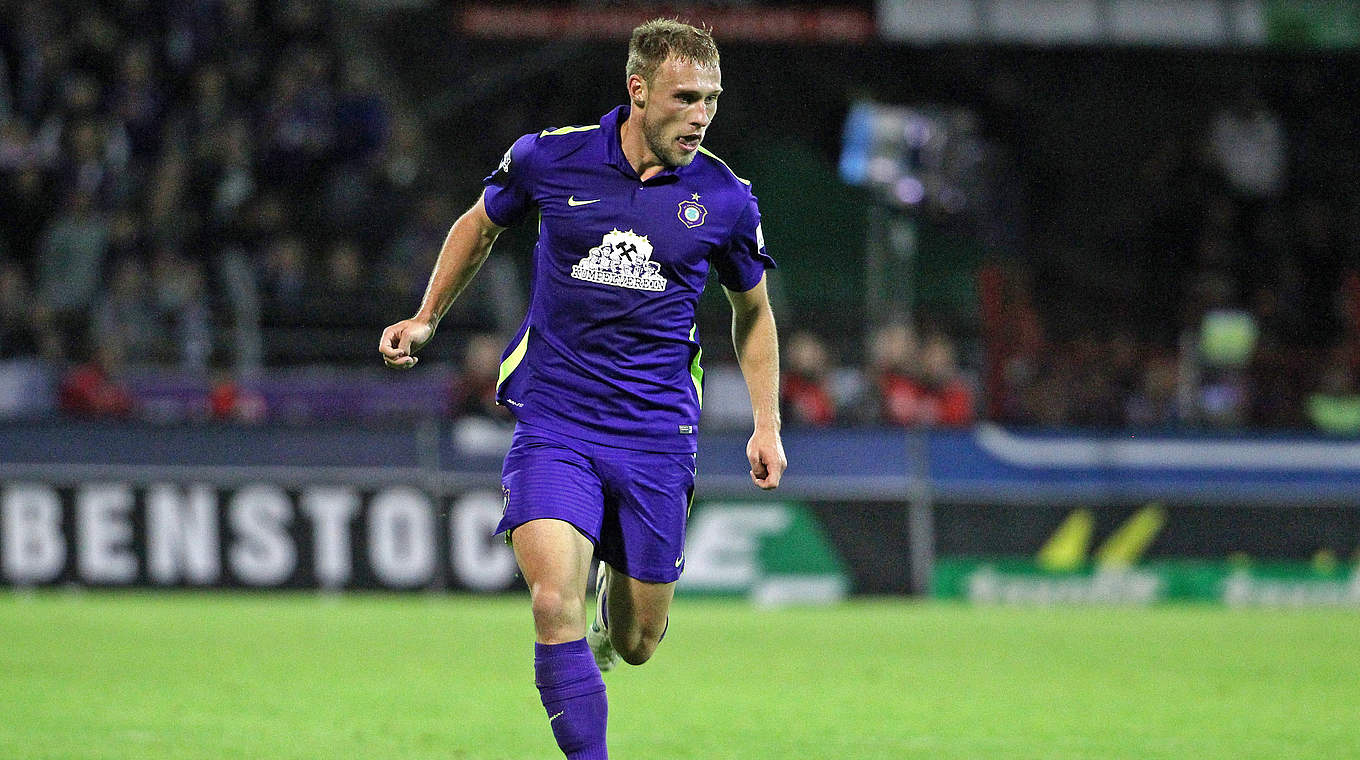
point(492, 302)
point(1334, 408)
point(128, 236)
point(34, 26)
point(474, 387)
point(357, 199)
point(17, 149)
point(893, 365)
point(1248, 143)
point(1156, 403)
point(179, 286)
point(18, 332)
point(946, 398)
point(284, 278)
point(126, 319)
point(211, 121)
point(167, 195)
point(299, 122)
point(363, 117)
point(344, 268)
point(210, 105)
point(1014, 342)
point(70, 270)
point(480, 425)
point(406, 260)
point(949, 392)
point(232, 400)
point(95, 163)
point(918, 386)
point(336, 295)
point(806, 397)
point(245, 46)
point(27, 199)
point(94, 388)
point(224, 165)
point(139, 102)
point(1099, 380)
point(404, 166)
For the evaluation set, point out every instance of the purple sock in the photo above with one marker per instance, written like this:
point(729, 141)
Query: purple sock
point(572, 691)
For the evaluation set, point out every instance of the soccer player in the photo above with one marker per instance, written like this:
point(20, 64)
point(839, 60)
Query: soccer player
point(603, 376)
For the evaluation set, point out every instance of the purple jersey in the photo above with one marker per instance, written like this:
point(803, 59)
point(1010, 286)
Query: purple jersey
point(609, 350)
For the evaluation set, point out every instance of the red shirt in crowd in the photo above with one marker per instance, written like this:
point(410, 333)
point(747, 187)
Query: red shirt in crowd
point(907, 401)
point(89, 391)
point(807, 400)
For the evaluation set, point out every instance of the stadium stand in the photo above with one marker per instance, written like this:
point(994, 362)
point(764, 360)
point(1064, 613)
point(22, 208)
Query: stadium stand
point(243, 190)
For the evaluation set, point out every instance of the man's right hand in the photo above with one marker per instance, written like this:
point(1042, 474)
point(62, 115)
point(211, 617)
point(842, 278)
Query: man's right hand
point(401, 341)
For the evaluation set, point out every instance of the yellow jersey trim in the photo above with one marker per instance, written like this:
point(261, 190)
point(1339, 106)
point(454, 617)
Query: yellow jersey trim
point(709, 153)
point(513, 360)
point(566, 130)
point(696, 372)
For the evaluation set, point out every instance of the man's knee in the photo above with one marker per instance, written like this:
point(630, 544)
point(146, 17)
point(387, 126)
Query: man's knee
point(557, 609)
point(640, 651)
point(637, 644)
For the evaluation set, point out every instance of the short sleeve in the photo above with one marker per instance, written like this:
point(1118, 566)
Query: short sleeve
point(506, 195)
point(742, 263)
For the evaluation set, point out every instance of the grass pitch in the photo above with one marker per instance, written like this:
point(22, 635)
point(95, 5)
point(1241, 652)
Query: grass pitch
point(218, 675)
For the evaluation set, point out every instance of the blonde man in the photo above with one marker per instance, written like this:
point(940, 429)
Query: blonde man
point(603, 376)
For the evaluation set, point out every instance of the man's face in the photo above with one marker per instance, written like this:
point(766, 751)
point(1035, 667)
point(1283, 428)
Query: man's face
point(680, 102)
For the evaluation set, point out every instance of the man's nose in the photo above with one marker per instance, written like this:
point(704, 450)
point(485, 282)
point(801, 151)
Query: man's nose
point(701, 115)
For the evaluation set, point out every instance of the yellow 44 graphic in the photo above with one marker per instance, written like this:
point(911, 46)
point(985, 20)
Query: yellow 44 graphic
point(1068, 547)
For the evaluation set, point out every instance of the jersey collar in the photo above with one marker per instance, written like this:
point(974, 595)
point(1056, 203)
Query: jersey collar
point(610, 126)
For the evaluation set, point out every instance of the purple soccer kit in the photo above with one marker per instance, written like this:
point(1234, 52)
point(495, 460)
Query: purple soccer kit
point(603, 375)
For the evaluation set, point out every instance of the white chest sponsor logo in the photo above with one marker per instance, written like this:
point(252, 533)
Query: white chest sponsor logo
point(622, 259)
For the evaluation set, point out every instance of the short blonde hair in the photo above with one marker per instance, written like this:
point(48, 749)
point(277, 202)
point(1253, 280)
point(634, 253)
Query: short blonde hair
point(661, 38)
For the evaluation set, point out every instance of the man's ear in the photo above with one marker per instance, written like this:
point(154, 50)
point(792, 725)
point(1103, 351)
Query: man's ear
point(637, 91)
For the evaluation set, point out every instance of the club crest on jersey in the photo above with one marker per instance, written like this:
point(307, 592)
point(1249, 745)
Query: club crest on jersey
point(692, 212)
point(623, 259)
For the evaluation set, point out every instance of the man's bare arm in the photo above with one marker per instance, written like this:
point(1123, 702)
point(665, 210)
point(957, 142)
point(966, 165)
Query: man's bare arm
point(757, 345)
point(465, 248)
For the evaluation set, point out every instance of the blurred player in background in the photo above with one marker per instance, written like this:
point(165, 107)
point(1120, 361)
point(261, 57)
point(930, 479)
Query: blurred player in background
point(603, 375)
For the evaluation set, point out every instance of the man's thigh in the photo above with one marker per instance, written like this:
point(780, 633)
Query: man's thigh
point(646, 506)
point(545, 479)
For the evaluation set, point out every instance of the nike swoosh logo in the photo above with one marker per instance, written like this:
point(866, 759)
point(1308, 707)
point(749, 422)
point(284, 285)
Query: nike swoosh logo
point(555, 717)
point(678, 561)
point(571, 201)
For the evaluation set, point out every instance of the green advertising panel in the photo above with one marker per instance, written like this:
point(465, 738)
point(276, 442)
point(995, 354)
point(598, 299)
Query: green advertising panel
point(1021, 581)
point(1124, 554)
point(775, 552)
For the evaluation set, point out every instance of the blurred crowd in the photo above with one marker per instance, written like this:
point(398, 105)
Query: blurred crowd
point(1238, 298)
point(909, 379)
point(220, 186)
point(183, 182)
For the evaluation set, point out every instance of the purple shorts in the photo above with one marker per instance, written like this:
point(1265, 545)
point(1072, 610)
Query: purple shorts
point(631, 504)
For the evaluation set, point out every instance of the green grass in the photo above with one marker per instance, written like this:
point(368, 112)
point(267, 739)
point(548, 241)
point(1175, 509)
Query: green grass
point(179, 675)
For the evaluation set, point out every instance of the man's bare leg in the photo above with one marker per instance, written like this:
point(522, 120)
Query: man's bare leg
point(632, 619)
point(555, 560)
